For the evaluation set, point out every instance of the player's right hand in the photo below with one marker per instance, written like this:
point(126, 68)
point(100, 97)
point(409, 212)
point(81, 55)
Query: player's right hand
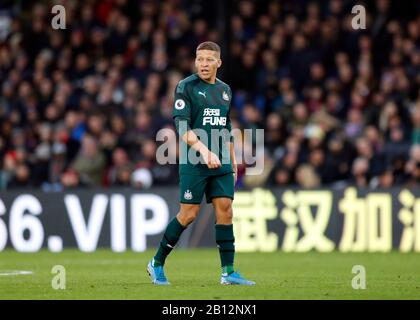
point(212, 161)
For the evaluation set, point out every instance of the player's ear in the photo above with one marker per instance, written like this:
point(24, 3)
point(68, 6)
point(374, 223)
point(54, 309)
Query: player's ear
point(219, 62)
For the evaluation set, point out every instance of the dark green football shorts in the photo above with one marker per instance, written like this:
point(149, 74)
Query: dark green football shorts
point(192, 188)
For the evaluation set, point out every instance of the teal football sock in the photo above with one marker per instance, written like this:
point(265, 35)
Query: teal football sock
point(170, 238)
point(226, 243)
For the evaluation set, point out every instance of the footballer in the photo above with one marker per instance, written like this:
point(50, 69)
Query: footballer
point(202, 102)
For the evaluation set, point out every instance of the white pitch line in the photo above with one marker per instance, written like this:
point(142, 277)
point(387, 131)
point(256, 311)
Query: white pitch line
point(14, 272)
point(101, 262)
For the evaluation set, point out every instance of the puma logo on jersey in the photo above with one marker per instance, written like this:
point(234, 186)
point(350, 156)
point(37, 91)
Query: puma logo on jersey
point(202, 93)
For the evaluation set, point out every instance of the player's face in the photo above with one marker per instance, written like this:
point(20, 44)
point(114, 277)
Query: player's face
point(207, 62)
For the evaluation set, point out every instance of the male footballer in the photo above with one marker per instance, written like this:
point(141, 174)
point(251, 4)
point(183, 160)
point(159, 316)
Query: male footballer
point(202, 103)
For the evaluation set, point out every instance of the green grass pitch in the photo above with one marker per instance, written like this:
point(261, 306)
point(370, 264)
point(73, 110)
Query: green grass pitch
point(194, 274)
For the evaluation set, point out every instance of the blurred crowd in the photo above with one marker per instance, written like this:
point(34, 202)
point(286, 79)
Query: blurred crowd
point(81, 107)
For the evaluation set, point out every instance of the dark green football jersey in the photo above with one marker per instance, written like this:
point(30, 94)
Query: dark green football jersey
point(205, 108)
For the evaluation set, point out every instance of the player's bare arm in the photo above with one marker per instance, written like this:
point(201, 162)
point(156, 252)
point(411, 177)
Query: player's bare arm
point(234, 163)
point(211, 160)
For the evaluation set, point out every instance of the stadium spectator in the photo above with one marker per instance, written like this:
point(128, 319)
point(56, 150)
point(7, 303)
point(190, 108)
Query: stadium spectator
point(330, 98)
point(90, 162)
point(71, 179)
point(120, 171)
point(21, 178)
point(306, 177)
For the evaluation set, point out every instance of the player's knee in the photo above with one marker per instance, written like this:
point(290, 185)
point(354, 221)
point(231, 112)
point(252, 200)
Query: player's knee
point(225, 212)
point(188, 214)
point(225, 206)
point(228, 214)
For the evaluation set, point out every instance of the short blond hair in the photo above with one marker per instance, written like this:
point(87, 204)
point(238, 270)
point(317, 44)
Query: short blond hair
point(209, 45)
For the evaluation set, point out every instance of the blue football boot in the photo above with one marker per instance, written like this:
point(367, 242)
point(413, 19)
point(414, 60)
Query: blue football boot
point(157, 274)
